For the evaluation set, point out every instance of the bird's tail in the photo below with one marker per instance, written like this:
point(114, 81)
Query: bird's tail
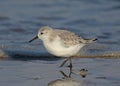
point(87, 41)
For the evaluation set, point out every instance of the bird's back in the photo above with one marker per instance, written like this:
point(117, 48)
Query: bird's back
point(70, 39)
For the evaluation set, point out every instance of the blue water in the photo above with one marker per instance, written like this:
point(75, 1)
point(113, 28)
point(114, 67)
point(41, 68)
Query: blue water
point(20, 21)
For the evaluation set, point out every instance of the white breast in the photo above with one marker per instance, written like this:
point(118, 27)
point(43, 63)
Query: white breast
point(57, 48)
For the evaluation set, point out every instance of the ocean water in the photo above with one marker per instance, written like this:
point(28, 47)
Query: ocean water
point(29, 64)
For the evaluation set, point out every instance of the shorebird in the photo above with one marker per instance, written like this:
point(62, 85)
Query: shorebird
point(61, 43)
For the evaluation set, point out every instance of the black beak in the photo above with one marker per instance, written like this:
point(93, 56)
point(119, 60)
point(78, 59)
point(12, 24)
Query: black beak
point(36, 37)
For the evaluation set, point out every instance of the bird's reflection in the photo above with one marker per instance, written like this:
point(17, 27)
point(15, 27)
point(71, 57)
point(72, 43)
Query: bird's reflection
point(68, 75)
point(65, 82)
point(67, 79)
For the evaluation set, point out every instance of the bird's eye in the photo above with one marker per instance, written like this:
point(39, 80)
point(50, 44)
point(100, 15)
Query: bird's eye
point(41, 33)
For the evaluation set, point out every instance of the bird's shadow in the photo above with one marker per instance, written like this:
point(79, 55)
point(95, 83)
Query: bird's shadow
point(27, 58)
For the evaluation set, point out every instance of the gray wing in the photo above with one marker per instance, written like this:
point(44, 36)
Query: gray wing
point(69, 38)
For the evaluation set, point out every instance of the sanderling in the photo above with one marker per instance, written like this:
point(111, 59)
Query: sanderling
point(61, 43)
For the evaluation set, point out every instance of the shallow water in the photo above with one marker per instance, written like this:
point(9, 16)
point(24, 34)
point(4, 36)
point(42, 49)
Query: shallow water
point(31, 65)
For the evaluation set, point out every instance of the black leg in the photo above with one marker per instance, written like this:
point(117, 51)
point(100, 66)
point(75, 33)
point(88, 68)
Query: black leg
point(64, 62)
point(70, 65)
